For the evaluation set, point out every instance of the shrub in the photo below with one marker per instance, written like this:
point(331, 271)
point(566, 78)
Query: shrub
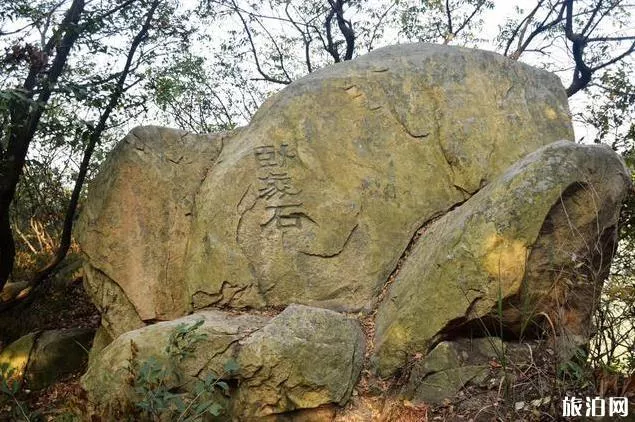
point(151, 380)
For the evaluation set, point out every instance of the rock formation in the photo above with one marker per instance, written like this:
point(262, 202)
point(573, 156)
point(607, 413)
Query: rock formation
point(452, 155)
point(43, 357)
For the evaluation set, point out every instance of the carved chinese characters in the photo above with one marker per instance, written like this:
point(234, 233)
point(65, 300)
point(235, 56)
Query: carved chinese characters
point(276, 186)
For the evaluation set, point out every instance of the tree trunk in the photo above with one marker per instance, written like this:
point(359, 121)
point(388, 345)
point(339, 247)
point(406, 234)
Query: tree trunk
point(25, 117)
point(93, 139)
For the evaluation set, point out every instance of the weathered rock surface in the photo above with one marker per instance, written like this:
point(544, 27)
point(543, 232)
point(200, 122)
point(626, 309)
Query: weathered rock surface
point(539, 238)
point(134, 228)
point(317, 198)
point(311, 209)
point(315, 201)
point(106, 380)
point(450, 366)
point(41, 358)
point(303, 358)
point(15, 357)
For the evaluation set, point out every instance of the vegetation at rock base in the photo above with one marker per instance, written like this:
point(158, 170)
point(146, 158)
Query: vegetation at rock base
point(76, 75)
point(149, 378)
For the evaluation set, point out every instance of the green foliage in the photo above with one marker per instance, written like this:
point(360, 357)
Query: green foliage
point(187, 92)
point(153, 379)
point(10, 386)
point(575, 369)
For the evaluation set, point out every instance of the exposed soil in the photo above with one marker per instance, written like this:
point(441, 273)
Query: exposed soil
point(62, 306)
point(65, 305)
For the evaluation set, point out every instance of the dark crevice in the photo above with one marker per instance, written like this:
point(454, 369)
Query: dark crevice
point(408, 249)
point(336, 253)
point(486, 326)
point(36, 340)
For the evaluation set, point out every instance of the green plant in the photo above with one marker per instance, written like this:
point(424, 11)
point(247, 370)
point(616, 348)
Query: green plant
point(10, 386)
point(576, 368)
point(153, 379)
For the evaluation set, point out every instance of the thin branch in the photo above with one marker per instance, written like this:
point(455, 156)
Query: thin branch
point(448, 14)
point(47, 23)
point(542, 27)
point(596, 9)
point(254, 51)
point(524, 24)
point(600, 39)
point(306, 38)
point(630, 50)
point(379, 21)
point(15, 31)
point(602, 16)
point(226, 112)
point(258, 15)
point(275, 44)
point(469, 18)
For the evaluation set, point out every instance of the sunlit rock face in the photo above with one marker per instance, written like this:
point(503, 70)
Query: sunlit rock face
point(317, 200)
point(538, 239)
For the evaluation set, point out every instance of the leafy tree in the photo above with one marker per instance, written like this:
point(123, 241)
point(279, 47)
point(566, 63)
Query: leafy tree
point(25, 106)
point(69, 105)
point(593, 32)
point(269, 44)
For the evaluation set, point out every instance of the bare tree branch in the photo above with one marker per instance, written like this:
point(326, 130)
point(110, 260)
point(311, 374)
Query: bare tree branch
point(616, 59)
point(521, 28)
point(254, 52)
point(280, 55)
point(467, 20)
point(543, 27)
point(604, 39)
point(448, 14)
point(379, 22)
point(306, 39)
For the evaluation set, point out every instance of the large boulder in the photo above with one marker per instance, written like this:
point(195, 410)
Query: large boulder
point(538, 240)
point(315, 201)
point(134, 229)
point(44, 357)
point(300, 359)
point(422, 189)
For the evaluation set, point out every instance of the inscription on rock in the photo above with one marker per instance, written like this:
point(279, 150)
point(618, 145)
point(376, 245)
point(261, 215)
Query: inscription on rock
point(277, 187)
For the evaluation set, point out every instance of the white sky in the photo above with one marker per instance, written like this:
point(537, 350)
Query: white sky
point(493, 18)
